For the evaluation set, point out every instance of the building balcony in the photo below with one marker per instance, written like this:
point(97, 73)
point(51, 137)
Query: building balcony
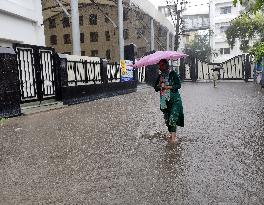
point(224, 18)
point(220, 39)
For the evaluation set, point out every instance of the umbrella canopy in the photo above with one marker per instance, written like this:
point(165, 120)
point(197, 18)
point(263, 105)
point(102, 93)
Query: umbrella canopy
point(154, 58)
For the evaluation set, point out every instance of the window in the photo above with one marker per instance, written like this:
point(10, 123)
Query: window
point(53, 40)
point(223, 28)
point(159, 31)
point(67, 38)
point(52, 23)
point(107, 36)
point(225, 10)
point(139, 16)
point(108, 54)
point(66, 22)
point(140, 32)
point(107, 19)
point(126, 34)
point(125, 14)
point(93, 37)
point(93, 19)
point(83, 53)
point(81, 20)
point(224, 51)
point(94, 53)
point(82, 37)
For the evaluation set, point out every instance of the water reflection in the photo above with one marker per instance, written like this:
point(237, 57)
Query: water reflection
point(171, 159)
point(170, 176)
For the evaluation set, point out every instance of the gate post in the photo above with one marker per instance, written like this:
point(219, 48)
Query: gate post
point(247, 68)
point(38, 72)
point(193, 69)
point(103, 71)
point(58, 64)
point(9, 84)
point(62, 75)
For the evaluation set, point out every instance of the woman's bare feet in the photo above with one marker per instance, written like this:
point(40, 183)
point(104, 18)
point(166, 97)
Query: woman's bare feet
point(173, 137)
point(168, 136)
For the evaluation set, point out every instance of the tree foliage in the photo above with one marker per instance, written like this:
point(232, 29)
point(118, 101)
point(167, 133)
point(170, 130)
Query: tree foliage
point(199, 47)
point(258, 51)
point(245, 28)
point(251, 5)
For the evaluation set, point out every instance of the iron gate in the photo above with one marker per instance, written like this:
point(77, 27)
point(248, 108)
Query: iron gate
point(36, 72)
point(237, 68)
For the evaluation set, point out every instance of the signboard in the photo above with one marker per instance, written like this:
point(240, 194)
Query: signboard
point(127, 73)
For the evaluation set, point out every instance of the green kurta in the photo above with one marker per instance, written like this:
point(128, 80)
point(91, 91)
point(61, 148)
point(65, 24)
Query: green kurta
point(173, 113)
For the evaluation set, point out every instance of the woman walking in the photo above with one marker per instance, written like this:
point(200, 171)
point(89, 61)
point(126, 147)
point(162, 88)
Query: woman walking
point(168, 83)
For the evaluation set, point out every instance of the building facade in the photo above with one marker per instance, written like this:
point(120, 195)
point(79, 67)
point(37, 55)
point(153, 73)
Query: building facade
point(21, 21)
point(222, 12)
point(192, 21)
point(98, 33)
point(207, 17)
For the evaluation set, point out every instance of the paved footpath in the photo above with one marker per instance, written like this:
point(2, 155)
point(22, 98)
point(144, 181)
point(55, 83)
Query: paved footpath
point(112, 151)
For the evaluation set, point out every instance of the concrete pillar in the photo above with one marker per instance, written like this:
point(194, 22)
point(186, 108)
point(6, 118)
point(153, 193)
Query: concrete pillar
point(9, 84)
point(152, 37)
point(121, 30)
point(76, 46)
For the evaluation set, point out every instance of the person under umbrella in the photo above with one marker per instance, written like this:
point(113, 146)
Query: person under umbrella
point(168, 83)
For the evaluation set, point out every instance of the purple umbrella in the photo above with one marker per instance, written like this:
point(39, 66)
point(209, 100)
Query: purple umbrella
point(154, 58)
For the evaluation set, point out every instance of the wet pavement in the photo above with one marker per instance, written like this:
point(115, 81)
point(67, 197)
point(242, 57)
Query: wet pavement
point(113, 151)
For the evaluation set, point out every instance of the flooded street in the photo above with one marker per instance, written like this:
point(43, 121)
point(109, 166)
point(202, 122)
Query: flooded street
point(113, 151)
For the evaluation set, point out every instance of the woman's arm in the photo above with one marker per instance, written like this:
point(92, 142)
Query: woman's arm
point(157, 85)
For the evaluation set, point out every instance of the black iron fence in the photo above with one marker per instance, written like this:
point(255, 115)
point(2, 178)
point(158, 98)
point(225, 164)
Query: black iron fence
point(41, 74)
point(237, 68)
point(83, 72)
point(113, 72)
point(84, 80)
point(36, 72)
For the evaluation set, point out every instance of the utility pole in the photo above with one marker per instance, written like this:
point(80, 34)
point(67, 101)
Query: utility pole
point(178, 15)
point(120, 30)
point(76, 46)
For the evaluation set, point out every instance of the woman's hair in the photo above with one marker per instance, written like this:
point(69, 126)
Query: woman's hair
point(165, 62)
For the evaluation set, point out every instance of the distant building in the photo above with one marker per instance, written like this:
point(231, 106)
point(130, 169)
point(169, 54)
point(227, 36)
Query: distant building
point(99, 36)
point(200, 17)
point(221, 14)
point(21, 21)
point(192, 20)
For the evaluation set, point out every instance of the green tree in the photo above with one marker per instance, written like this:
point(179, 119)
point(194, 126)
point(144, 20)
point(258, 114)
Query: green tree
point(245, 28)
point(258, 51)
point(251, 5)
point(199, 47)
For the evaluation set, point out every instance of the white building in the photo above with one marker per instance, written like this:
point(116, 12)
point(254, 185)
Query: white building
point(21, 21)
point(221, 14)
point(194, 18)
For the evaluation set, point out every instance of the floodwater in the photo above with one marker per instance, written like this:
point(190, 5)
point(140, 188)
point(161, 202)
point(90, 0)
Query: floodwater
point(114, 151)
